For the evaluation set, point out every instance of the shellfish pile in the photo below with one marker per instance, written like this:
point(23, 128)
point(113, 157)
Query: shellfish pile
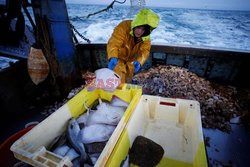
point(219, 103)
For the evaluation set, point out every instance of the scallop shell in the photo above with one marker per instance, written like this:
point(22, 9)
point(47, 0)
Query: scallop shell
point(38, 67)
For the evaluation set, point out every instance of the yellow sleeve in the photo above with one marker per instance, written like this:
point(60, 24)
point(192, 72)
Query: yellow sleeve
point(144, 52)
point(116, 40)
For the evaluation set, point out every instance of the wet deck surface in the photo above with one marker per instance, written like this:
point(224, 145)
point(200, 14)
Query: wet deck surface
point(223, 149)
point(226, 149)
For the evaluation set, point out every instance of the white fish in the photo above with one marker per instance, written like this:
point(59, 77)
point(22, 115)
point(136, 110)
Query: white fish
point(96, 133)
point(66, 151)
point(62, 150)
point(117, 102)
point(105, 114)
point(105, 75)
point(72, 154)
point(82, 120)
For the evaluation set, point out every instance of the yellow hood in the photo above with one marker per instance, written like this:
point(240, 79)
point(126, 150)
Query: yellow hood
point(145, 17)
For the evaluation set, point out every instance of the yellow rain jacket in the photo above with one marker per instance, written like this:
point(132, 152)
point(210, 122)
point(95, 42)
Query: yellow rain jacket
point(122, 44)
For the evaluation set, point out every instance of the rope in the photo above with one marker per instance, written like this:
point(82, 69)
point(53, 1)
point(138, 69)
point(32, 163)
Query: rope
point(80, 35)
point(103, 10)
point(107, 8)
point(80, 18)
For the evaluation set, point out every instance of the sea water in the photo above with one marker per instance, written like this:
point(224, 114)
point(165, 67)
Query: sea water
point(194, 27)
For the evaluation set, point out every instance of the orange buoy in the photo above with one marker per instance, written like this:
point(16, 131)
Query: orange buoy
point(38, 67)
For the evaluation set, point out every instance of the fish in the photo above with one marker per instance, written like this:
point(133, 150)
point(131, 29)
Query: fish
point(96, 147)
point(96, 133)
point(65, 150)
point(72, 154)
point(112, 114)
point(94, 157)
point(82, 120)
point(105, 74)
point(62, 150)
point(87, 165)
point(117, 102)
point(76, 162)
point(58, 141)
point(72, 135)
point(104, 114)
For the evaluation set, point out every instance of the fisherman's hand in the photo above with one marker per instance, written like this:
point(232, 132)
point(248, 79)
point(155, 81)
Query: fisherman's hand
point(137, 67)
point(112, 63)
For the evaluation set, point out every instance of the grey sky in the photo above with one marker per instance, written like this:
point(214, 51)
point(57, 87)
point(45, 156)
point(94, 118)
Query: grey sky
point(200, 4)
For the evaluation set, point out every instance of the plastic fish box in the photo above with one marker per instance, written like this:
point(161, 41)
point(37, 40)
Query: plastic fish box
point(31, 148)
point(175, 124)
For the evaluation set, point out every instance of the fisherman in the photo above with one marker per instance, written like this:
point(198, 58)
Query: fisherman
point(129, 46)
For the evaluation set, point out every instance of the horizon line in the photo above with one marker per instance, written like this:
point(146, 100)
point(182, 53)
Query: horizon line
point(194, 8)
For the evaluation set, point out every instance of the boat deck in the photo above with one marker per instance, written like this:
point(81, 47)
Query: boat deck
point(222, 148)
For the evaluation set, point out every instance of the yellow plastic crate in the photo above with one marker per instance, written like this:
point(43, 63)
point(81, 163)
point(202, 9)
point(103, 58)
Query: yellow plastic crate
point(175, 124)
point(31, 148)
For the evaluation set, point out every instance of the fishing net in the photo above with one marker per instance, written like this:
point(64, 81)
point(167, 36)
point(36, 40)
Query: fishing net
point(135, 6)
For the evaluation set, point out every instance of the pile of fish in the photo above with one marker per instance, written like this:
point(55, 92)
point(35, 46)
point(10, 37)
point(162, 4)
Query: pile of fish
point(87, 135)
point(219, 103)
